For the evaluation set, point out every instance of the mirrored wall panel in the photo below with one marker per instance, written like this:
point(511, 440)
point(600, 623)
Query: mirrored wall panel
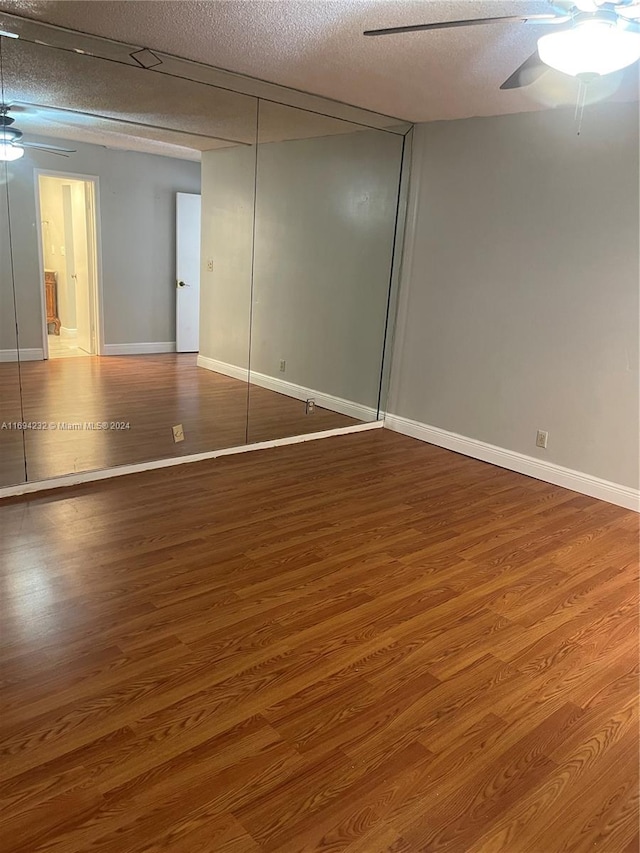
point(120, 258)
point(184, 267)
point(12, 456)
point(326, 209)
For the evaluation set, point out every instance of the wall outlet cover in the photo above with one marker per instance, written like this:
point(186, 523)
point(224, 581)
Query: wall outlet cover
point(178, 433)
point(542, 437)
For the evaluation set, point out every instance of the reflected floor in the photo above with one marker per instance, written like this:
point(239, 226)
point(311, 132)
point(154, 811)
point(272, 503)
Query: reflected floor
point(60, 347)
point(150, 393)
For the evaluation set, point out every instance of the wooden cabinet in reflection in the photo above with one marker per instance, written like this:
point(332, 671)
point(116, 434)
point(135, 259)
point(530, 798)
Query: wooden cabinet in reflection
point(51, 291)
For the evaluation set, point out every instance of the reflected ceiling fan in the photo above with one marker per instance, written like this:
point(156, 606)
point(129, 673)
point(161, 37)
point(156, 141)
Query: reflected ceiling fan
point(12, 145)
point(590, 38)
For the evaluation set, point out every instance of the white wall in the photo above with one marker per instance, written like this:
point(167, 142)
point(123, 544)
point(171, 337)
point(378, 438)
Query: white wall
point(137, 207)
point(520, 307)
point(325, 215)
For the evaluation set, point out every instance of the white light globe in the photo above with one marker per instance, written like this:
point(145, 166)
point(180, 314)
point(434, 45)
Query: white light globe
point(10, 152)
point(591, 47)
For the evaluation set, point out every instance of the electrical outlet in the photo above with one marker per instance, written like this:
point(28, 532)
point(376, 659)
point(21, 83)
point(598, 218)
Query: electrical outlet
point(542, 437)
point(283, 366)
point(310, 407)
point(178, 433)
point(210, 265)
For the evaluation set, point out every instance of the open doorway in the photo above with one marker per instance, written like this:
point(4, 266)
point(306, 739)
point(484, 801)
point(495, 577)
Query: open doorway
point(69, 270)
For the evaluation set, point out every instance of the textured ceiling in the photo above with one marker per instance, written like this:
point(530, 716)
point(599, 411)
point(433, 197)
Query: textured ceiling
point(59, 127)
point(317, 46)
point(83, 98)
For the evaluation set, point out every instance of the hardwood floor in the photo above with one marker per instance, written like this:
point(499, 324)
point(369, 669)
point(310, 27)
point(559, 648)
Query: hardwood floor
point(358, 644)
point(151, 393)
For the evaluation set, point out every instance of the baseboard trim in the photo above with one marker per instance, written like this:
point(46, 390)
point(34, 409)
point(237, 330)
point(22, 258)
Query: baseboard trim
point(107, 473)
point(557, 475)
point(216, 366)
point(68, 334)
point(289, 389)
point(28, 354)
point(154, 347)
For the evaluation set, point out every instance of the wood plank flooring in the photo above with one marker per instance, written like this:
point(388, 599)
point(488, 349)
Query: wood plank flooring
point(151, 393)
point(358, 644)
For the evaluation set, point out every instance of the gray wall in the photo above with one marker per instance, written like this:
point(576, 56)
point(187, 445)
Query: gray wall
point(520, 304)
point(137, 207)
point(228, 179)
point(7, 309)
point(325, 215)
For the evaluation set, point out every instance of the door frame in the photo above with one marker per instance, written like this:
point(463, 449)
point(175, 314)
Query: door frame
point(95, 256)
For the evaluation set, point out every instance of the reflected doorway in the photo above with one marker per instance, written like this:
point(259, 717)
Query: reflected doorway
point(68, 240)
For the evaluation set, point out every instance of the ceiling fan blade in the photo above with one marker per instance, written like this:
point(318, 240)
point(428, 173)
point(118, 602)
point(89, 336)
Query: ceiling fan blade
point(631, 25)
point(54, 149)
point(60, 152)
point(472, 22)
point(531, 70)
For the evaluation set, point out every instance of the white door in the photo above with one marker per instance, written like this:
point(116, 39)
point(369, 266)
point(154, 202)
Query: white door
point(187, 272)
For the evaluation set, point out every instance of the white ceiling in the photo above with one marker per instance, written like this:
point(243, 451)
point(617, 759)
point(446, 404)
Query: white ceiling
point(317, 46)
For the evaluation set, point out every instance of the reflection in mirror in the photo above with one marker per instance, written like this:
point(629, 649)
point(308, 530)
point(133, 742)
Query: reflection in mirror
point(326, 208)
point(228, 189)
point(111, 276)
point(12, 461)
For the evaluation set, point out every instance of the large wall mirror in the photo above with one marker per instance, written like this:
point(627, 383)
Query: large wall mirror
point(184, 267)
point(326, 206)
point(12, 455)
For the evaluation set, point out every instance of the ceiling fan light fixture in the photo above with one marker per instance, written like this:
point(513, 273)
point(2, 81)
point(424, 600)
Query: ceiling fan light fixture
point(9, 135)
point(10, 152)
point(589, 48)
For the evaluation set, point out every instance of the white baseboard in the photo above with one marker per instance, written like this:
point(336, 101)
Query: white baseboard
point(586, 484)
point(105, 474)
point(325, 401)
point(298, 392)
point(29, 354)
point(216, 366)
point(139, 349)
point(68, 334)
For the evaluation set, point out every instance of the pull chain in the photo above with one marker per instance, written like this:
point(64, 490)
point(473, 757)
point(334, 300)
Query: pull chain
point(583, 88)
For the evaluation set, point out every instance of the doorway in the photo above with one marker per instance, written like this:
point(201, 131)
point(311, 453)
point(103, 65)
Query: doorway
point(68, 240)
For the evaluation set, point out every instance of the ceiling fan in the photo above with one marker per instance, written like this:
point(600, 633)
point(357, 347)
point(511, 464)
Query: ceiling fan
point(12, 145)
point(593, 38)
